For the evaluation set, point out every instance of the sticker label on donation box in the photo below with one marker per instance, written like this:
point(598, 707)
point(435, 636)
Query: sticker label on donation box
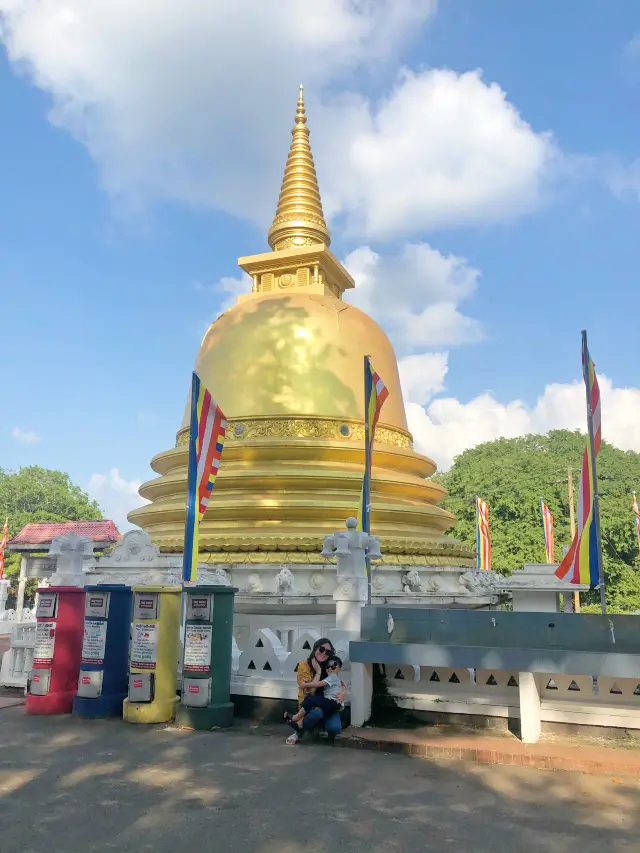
point(93, 644)
point(145, 645)
point(197, 648)
point(45, 642)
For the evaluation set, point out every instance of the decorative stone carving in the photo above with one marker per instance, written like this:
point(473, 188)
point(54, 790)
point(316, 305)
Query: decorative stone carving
point(411, 581)
point(284, 580)
point(136, 547)
point(254, 583)
point(348, 548)
point(316, 581)
point(479, 582)
point(70, 551)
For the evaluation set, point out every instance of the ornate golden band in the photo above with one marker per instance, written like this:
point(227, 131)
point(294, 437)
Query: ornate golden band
point(323, 428)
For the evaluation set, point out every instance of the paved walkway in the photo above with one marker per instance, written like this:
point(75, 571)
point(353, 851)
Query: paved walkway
point(93, 786)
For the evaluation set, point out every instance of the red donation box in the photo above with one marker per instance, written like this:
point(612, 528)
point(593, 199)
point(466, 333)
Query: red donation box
point(58, 649)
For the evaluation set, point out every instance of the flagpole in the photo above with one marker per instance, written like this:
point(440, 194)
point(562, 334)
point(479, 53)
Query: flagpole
point(191, 518)
point(596, 497)
point(366, 515)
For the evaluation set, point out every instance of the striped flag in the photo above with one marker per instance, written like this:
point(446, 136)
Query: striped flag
point(483, 541)
point(582, 561)
point(3, 545)
point(206, 440)
point(636, 512)
point(375, 393)
point(547, 526)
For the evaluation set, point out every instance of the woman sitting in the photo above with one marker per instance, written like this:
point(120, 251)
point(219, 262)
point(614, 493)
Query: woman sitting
point(315, 668)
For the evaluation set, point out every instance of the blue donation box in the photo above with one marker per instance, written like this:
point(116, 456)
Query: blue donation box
point(104, 666)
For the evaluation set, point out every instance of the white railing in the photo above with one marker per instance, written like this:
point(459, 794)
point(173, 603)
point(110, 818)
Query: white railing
point(577, 699)
point(18, 660)
point(262, 666)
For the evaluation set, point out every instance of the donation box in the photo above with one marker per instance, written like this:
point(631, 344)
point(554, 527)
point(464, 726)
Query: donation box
point(104, 664)
point(153, 659)
point(56, 655)
point(206, 663)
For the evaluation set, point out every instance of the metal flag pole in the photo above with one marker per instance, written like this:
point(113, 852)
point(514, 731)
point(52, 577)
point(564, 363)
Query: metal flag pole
point(366, 510)
point(596, 498)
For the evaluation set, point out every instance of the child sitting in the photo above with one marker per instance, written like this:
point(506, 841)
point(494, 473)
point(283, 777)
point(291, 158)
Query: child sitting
point(328, 702)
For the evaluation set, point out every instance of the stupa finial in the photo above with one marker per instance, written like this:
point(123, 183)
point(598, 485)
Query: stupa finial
point(299, 220)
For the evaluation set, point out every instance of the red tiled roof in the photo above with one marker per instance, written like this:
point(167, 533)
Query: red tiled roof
point(42, 533)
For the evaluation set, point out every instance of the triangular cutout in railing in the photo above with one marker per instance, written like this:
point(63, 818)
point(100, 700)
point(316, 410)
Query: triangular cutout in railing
point(259, 644)
point(267, 667)
point(434, 676)
point(251, 665)
point(306, 645)
point(296, 669)
point(615, 690)
point(491, 681)
point(399, 675)
point(573, 686)
point(636, 692)
point(552, 685)
point(512, 682)
point(454, 679)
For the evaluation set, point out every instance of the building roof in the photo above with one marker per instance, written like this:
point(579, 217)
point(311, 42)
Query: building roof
point(43, 533)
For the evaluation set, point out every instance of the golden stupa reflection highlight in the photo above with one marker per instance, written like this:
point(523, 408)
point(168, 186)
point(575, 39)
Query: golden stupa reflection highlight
point(286, 366)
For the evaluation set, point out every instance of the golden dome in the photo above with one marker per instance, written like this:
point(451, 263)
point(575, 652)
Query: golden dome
point(298, 355)
point(286, 366)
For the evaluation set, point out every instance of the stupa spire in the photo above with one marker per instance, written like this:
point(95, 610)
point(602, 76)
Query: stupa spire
point(299, 220)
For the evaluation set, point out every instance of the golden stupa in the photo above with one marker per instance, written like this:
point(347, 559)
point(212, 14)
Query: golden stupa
point(286, 366)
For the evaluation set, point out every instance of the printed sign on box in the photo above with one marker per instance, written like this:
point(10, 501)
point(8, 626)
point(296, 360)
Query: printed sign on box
point(93, 644)
point(197, 648)
point(45, 642)
point(145, 645)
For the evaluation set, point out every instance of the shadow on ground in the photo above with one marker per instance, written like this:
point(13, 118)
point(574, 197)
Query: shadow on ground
point(79, 785)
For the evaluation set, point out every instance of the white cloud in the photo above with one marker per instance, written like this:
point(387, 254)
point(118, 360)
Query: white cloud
point(23, 436)
point(230, 288)
point(624, 180)
point(116, 496)
point(442, 148)
point(446, 426)
point(422, 375)
point(192, 101)
point(167, 95)
point(415, 295)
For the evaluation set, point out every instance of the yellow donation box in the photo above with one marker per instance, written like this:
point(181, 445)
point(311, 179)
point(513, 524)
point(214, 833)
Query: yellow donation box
point(153, 660)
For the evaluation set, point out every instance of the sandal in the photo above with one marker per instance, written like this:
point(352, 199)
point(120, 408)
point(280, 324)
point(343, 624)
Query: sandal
point(292, 740)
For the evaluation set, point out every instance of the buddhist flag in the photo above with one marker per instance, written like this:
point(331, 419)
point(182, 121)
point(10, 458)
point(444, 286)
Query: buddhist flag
point(3, 545)
point(547, 526)
point(375, 393)
point(483, 542)
point(206, 440)
point(582, 563)
point(636, 512)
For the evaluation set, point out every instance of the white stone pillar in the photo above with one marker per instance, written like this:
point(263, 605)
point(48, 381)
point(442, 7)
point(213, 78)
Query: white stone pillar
point(530, 722)
point(350, 596)
point(4, 593)
point(22, 582)
point(361, 692)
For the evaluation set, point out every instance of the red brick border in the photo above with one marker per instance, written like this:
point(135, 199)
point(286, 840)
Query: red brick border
point(606, 761)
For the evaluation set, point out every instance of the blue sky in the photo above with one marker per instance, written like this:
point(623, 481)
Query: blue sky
point(111, 258)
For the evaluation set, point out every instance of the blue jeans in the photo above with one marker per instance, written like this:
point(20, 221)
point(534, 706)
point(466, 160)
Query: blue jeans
point(332, 724)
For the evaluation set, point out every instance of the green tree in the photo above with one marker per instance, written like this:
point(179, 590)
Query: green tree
point(513, 474)
point(40, 494)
